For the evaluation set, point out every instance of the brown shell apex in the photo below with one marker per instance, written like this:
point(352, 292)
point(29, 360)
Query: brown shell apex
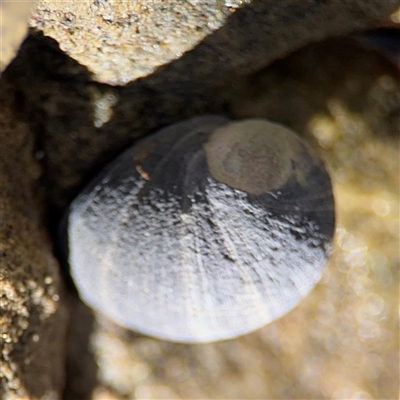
point(204, 231)
point(255, 155)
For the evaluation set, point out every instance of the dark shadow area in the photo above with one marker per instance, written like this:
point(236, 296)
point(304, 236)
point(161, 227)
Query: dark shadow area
point(385, 40)
point(306, 80)
point(81, 367)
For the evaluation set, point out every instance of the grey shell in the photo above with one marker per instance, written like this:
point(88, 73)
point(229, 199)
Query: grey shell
point(162, 246)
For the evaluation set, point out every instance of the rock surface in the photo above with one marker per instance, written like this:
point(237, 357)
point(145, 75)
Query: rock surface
point(34, 316)
point(201, 42)
point(325, 347)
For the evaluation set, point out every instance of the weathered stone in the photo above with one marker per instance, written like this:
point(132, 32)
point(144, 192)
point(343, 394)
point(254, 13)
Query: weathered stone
point(212, 40)
point(33, 319)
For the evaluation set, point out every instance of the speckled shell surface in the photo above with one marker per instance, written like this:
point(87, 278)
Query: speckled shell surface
point(163, 246)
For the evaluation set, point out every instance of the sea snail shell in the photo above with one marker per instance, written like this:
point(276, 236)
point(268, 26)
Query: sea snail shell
point(204, 231)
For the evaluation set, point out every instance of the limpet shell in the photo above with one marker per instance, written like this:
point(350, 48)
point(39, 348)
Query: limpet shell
point(206, 230)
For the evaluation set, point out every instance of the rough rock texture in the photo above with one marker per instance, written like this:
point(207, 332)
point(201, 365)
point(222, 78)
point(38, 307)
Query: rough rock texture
point(341, 341)
point(120, 41)
point(33, 314)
